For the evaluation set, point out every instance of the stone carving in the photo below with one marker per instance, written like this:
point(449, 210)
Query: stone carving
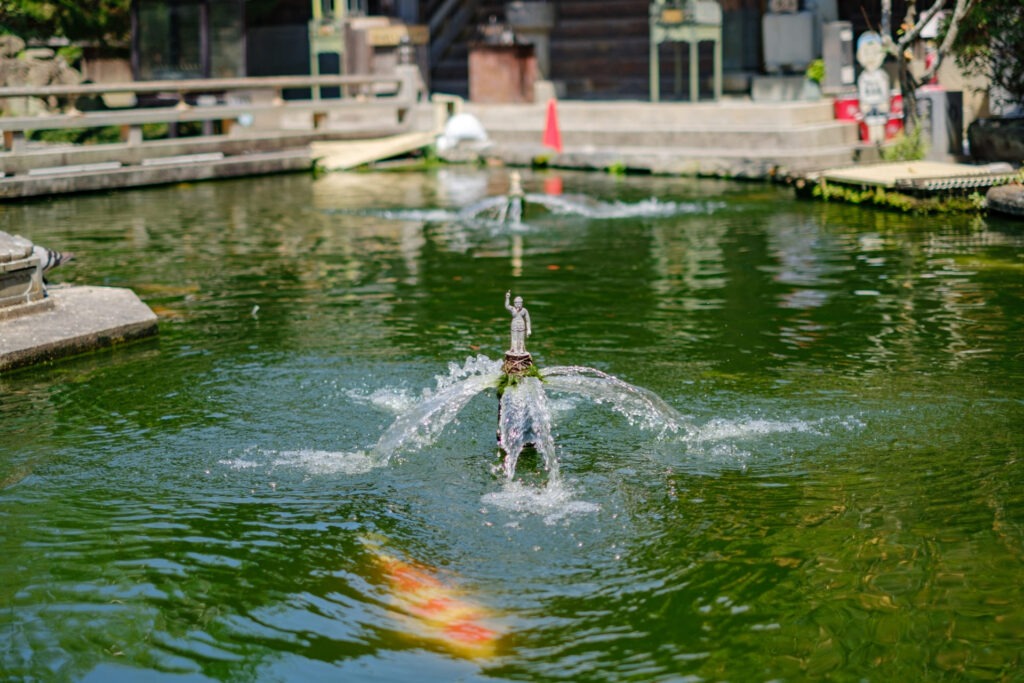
point(520, 324)
point(517, 359)
point(31, 67)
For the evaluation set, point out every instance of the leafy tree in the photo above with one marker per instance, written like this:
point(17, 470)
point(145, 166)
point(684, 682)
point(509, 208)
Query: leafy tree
point(991, 43)
point(105, 21)
point(986, 37)
point(910, 31)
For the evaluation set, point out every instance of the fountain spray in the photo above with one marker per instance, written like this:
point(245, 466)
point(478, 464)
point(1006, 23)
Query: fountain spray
point(525, 416)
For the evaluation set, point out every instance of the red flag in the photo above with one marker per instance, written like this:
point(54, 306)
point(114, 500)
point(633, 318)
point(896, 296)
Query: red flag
point(552, 138)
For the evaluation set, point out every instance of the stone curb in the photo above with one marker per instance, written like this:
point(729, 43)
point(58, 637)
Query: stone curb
point(81, 319)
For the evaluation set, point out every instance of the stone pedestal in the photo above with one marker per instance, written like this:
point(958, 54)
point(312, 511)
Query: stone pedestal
point(77, 320)
point(37, 325)
point(517, 363)
point(20, 278)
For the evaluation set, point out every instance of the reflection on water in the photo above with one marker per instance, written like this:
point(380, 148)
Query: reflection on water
point(842, 501)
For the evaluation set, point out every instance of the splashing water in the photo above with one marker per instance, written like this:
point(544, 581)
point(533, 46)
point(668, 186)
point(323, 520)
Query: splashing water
point(588, 207)
point(642, 408)
point(508, 212)
point(422, 424)
point(525, 415)
point(554, 503)
point(525, 419)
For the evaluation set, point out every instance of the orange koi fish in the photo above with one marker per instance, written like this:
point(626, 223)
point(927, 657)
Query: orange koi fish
point(436, 611)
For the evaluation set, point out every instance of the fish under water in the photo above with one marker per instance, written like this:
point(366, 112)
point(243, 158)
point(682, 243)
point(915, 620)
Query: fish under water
point(434, 610)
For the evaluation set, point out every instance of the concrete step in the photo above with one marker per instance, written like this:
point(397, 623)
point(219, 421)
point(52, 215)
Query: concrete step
point(720, 162)
point(626, 115)
point(697, 137)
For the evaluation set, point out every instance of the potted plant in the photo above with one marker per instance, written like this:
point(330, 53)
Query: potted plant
point(813, 77)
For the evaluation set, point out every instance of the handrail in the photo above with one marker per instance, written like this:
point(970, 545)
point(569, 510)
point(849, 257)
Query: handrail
point(397, 94)
point(198, 85)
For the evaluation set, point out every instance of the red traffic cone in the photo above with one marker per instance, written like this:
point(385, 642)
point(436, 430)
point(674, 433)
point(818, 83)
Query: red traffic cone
point(552, 138)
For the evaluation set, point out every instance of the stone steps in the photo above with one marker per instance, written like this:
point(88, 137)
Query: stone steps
point(696, 137)
point(705, 161)
point(732, 137)
point(626, 115)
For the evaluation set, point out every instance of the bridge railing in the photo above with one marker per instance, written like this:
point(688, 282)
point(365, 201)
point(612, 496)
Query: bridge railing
point(253, 102)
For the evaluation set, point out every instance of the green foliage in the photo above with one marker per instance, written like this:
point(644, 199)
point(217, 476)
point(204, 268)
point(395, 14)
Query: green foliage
point(106, 21)
point(78, 136)
point(154, 131)
point(112, 134)
point(70, 54)
point(908, 146)
point(990, 43)
point(417, 161)
point(540, 161)
point(891, 199)
point(816, 71)
point(616, 168)
point(507, 380)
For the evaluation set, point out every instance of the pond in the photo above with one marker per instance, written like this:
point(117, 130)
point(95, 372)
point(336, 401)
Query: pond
point(842, 496)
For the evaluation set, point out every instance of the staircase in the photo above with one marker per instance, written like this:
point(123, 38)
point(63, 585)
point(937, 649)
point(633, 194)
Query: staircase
point(730, 138)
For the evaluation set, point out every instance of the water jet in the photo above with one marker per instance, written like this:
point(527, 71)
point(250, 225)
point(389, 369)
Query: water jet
point(525, 416)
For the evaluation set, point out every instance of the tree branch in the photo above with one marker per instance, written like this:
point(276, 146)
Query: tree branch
point(959, 11)
point(911, 35)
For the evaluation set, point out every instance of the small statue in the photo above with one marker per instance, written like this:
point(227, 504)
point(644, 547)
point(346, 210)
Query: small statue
point(873, 85)
point(520, 325)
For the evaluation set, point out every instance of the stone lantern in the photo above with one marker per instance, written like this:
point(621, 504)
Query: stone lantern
point(21, 279)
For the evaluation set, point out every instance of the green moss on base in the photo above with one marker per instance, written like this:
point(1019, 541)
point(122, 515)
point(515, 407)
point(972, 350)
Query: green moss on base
point(892, 199)
point(506, 380)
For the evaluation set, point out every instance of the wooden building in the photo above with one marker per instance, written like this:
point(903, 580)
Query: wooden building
point(599, 49)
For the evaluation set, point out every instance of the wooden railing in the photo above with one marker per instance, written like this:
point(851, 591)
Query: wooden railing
point(250, 101)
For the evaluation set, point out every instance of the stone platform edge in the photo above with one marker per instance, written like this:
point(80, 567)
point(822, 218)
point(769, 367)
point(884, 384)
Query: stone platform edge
point(81, 319)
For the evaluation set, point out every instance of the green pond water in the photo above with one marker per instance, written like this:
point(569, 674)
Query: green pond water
point(845, 500)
